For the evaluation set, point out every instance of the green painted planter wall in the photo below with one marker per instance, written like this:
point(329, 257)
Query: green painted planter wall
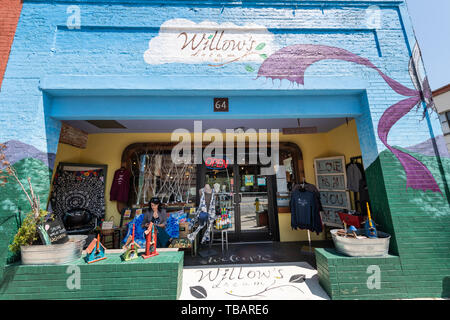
point(420, 245)
point(155, 278)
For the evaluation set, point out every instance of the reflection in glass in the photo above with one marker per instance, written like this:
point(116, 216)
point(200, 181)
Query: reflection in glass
point(254, 204)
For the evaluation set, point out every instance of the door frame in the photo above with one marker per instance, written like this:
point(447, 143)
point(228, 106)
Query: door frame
point(251, 236)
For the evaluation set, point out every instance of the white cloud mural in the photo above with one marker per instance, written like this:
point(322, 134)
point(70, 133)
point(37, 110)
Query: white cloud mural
point(184, 41)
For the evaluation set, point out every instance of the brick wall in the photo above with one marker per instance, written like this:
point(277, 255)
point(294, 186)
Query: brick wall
point(155, 278)
point(345, 278)
point(9, 16)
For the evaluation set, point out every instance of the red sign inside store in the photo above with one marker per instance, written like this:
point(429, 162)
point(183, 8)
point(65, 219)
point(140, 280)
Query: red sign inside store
point(216, 163)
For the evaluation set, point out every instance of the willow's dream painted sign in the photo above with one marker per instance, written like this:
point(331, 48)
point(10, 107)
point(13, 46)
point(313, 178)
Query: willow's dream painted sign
point(184, 41)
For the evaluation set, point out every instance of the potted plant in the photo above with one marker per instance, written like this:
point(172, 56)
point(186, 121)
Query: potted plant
point(32, 239)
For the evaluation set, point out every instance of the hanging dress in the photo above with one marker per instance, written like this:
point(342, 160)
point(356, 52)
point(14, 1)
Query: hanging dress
point(208, 222)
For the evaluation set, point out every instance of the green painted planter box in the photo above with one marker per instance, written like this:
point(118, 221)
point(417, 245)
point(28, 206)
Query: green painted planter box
point(159, 277)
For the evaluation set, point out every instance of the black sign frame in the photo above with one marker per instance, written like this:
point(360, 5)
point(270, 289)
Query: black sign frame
point(221, 105)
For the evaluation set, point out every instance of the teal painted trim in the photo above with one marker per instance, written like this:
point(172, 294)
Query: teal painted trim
point(201, 107)
point(184, 97)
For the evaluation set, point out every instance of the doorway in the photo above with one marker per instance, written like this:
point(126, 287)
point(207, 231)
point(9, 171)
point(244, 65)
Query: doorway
point(246, 194)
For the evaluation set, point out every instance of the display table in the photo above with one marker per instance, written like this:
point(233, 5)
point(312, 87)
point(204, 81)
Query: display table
point(159, 277)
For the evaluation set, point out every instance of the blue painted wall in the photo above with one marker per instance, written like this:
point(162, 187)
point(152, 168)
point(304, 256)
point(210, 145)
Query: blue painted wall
point(113, 39)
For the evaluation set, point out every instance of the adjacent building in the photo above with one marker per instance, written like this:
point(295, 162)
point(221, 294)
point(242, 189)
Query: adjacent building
point(442, 101)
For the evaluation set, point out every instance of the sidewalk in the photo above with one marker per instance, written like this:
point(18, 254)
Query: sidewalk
point(270, 281)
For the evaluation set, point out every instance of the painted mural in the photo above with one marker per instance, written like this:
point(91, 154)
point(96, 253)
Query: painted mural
point(185, 41)
point(291, 62)
point(27, 161)
point(220, 44)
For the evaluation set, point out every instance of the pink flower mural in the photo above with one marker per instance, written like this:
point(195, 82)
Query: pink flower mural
point(291, 63)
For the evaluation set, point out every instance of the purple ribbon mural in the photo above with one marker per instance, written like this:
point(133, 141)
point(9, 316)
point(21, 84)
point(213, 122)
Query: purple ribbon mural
point(291, 63)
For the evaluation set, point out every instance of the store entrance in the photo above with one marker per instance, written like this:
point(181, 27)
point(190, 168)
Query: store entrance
point(246, 194)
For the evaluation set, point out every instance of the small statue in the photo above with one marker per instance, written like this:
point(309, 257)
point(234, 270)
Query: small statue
point(95, 251)
point(132, 251)
point(150, 244)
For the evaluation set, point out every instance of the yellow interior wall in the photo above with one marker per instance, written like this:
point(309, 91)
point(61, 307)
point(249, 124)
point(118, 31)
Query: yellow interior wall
point(67, 153)
point(107, 148)
point(341, 141)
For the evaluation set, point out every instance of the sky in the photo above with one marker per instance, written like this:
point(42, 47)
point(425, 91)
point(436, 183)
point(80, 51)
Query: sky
point(431, 22)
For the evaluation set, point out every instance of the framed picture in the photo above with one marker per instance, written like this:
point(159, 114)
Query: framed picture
point(249, 180)
point(261, 181)
point(331, 181)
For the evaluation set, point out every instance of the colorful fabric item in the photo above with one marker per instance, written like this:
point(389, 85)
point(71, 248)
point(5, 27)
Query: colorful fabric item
point(120, 186)
point(173, 223)
point(209, 222)
point(80, 190)
point(139, 236)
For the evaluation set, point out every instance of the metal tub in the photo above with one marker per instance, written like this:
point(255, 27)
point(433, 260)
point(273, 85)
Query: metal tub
point(54, 253)
point(362, 247)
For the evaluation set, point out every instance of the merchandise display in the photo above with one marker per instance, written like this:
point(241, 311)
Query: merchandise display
point(95, 251)
point(305, 208)
point(181, 244)
point(131, 248)
point(224, 220)
point(78, 197)
point(205, 208)
point(356, 182)
point(151, 241)
point(136, 224)
point(173, 223)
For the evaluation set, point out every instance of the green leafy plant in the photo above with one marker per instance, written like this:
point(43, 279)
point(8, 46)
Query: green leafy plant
point(28, 233)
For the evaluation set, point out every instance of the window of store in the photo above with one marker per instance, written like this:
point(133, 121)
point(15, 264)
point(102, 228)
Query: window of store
point(247, 191)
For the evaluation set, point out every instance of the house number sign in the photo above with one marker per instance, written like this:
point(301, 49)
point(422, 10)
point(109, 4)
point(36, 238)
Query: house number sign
point(221, 105)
